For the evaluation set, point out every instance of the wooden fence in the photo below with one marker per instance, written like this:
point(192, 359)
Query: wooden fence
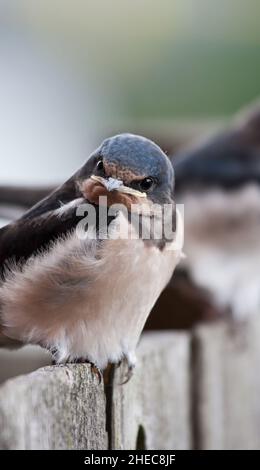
point(190, 390)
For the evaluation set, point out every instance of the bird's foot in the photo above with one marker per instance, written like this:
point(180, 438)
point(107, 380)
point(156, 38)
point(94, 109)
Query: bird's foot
point(129, 374)
point(94, 368)
point(82, 360)
point(130, 361)
point(96, 371)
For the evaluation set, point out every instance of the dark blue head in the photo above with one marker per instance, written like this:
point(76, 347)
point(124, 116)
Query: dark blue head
point(137, 162)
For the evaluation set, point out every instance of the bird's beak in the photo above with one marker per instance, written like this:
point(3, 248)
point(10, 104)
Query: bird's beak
point(111, 184)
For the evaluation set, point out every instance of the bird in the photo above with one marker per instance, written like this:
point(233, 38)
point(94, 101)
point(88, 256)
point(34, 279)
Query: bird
point(82, 289)
point(218, 182)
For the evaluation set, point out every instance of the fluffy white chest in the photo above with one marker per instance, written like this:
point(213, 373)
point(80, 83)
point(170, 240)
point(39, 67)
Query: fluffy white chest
point(86, 300)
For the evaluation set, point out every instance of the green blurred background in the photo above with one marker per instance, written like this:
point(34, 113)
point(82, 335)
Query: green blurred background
point(127, 64)
point(166, 59)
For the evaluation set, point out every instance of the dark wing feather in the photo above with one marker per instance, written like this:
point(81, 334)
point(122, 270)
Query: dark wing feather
point(39, 226)
point(21, 239)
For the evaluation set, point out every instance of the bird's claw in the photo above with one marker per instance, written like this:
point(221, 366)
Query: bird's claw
point(129, 374)
point(97, 371)
point(94, 368)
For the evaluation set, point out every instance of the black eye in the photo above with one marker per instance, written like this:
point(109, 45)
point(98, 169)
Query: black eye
point(146, 183)
point(100, 165)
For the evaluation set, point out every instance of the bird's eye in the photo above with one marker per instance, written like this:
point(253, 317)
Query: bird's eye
point(100, 165)
point(146, 183)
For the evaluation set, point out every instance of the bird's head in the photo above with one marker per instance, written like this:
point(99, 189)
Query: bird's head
point(128, 169)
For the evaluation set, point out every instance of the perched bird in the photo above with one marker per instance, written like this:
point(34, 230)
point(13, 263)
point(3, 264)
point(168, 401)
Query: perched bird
point(218, 181)
point(75, 288)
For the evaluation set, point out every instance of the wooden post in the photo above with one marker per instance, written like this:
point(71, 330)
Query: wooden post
point(53, 408)
point(202, 393)
point(66, 407)
point(226, 384)
point(152, 411)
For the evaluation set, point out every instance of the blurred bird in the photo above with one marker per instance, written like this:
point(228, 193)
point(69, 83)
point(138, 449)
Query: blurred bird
point(219, 184)
point(88, 297)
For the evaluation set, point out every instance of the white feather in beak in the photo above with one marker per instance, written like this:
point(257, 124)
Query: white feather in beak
point(112, 184)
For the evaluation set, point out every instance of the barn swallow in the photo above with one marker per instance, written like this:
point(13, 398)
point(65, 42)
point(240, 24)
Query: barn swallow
point(89, 297)
point(218, 181)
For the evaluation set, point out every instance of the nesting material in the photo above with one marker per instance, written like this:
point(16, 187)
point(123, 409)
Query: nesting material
point(119, 186)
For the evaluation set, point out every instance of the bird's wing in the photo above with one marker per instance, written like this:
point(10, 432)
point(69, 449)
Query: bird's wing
point(24, 237)
point(34, 293)
point(45, 223)
point(41, 224)
point(62, 195)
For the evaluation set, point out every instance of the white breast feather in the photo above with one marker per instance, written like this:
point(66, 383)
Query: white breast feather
point(86, 301)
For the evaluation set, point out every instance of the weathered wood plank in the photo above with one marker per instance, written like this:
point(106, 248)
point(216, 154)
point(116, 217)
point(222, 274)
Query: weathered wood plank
point(152, 411)
point(226, 381)
point(53, 408)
